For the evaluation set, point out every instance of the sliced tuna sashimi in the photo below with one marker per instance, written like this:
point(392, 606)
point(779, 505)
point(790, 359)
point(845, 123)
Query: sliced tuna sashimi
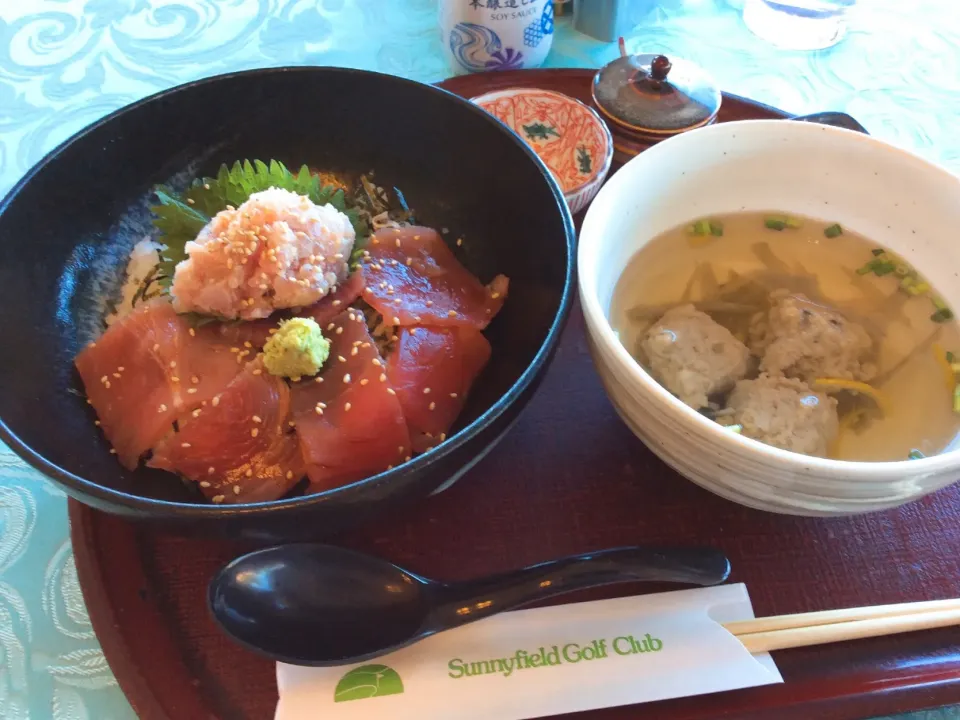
point(413, 278)
point(147, 369)
point(240, 447)
point(348, 418)
point(432, 370)
point(257, 332)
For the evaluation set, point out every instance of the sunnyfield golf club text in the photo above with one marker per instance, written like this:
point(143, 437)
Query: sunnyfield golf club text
point(555, 655)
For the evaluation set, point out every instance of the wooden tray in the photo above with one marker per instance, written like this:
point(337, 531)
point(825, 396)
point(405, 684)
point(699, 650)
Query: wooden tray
point(568, 478)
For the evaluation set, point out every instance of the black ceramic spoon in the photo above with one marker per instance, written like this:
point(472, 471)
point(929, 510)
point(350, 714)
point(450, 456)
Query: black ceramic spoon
point(310, 604)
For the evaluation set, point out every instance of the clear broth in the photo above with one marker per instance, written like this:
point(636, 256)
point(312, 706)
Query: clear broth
point(678, 267)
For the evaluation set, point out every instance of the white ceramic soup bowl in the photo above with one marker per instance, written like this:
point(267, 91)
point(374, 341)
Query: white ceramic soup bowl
point(892, 197)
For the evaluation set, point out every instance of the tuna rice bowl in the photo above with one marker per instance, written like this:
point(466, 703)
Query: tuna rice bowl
point(283, 330)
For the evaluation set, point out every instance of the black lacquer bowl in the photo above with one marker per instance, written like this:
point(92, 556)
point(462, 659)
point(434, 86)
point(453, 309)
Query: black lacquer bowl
point(68, 226)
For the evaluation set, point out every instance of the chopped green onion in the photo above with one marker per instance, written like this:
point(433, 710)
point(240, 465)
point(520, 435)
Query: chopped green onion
point(950, 356)
point(793, 222)
point(907, 282)
point(734, 428)
point(941, 316)
point(878, 251)
point(922, 288)
point(701, 227)
point(868, 268)
point(938, 303)
point(716, 228)
point(914, 290)
point(915, 455)
point(775, 223)
point(902, 270)
point(956, 399)
point(832, 231)
point(955, 367)
point(884, 268)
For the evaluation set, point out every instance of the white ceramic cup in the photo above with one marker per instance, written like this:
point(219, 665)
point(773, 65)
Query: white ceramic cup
point(483, 35)
point(889, 195)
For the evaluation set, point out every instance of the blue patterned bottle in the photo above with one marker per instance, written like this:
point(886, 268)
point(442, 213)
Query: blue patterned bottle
point(482, 35)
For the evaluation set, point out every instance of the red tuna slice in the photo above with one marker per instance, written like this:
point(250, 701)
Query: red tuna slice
point(348, 418)
point(240, 447)
point(432, 370)
point(147, 369)
point(257, 332)
point(413, 278)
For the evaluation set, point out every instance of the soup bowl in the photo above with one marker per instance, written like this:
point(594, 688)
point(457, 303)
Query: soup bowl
point(890, 196)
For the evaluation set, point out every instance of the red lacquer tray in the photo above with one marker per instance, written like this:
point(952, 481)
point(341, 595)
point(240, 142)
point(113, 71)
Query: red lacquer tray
point(568, 478)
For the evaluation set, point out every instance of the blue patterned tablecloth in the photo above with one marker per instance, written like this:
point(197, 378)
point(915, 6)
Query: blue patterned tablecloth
point(66, 63)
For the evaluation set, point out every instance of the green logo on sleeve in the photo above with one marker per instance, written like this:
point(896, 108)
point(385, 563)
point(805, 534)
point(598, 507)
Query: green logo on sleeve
point(368, 681)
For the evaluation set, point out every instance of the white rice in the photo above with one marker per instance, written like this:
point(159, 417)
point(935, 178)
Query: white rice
point(143, 259)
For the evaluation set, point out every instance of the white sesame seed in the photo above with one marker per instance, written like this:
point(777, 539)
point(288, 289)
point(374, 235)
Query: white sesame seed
point(330, 326)
point(117, 375)
point(194, 379)
point(396, 321)
point(249, 472)
point(354, 351)
point(426, 391)
point(341, 358)
point(174, 378)
point(407, 459)
point(234, 349)
point(113, 451)
point(236, 489)
point(217, 499)
point(156, 347)
point(383, 377)
point(346, 378)
point(215, 400)
point(433, 406)
point(185, 445)
point(400, 449)
point(173, 363)
point(453, 395)
point(289, 474)
point(443, 436)
point(416, 237)
point(247, 344)
point(162, 408)
point(206, 186)
point(336, 303)
point(340, 330)
point(291, 423)
point(409, 261)
point(495, 295)
point(204, 483)
point(413, 331)
point(318, 379)
point(196, 413)
point(318, 410)
point(257, 419)
point(257, 371)
point(254, 432)
point(398, 242)
point(97, 423)
point(107, 384)
point(452, 313)
point(191, 391)
point(376, 361)
point(346, 407)
point(120, 368)
point(364, 381)
point(459, 242)
point(429, 303)
point(391, 391)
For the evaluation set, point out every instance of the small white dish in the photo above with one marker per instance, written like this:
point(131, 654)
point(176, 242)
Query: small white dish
point(887, 194)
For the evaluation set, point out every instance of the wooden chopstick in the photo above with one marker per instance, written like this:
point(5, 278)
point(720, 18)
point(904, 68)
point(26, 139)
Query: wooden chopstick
point(799, 630)
point(827, 617)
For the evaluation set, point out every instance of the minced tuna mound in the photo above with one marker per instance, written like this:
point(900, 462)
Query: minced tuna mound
point(277, 250)
point(800, 339)
point(786, 413)
point(693, 356)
